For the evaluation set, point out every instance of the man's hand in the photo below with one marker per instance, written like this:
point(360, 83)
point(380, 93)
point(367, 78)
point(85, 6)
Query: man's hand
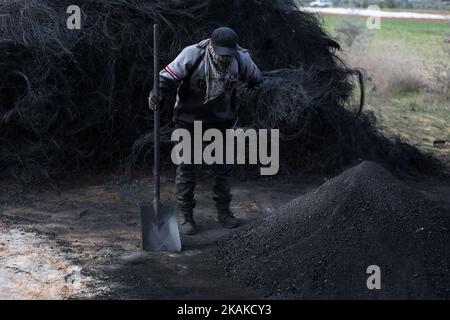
point(152, 103)
point(253, 85)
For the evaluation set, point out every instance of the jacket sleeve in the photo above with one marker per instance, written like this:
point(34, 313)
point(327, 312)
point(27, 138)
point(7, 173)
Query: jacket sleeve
point(249, 72)
point(179, 69)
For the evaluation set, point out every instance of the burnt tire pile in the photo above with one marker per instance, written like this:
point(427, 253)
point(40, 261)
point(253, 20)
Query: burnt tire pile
point(321, 244)
point(75, 101)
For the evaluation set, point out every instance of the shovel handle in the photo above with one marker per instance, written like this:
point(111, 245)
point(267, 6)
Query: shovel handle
point(156, 135)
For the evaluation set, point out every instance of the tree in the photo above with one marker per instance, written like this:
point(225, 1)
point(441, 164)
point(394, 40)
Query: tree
point(389, 3)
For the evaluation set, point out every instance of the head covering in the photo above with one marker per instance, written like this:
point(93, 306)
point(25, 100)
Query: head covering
point(224, 41)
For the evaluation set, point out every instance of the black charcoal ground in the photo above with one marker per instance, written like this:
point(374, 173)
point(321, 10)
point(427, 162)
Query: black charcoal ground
point(320, 244)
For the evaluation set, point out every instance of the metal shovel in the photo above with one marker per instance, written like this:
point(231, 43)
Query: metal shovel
point(159, 223)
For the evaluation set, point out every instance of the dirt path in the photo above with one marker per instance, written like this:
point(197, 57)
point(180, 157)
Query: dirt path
point(85, 242)
point(33, 267)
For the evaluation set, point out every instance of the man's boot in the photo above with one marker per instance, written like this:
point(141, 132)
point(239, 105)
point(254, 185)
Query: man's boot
point(227, 219)
point(188, 224)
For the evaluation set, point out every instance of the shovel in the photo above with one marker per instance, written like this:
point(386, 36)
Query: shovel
point(159, 223)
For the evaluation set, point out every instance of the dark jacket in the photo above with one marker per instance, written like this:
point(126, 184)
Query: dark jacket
point(187, 74)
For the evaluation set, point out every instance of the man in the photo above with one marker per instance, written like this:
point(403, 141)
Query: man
point(205, 76)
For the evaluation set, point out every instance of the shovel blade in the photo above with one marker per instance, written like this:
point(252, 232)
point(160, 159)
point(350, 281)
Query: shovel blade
point(159, 232)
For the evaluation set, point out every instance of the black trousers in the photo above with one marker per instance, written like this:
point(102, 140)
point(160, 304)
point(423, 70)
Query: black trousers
point(186, 177)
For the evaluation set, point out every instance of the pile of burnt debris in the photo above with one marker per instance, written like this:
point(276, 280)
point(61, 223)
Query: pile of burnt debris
point(327, 243)
point(76, 100)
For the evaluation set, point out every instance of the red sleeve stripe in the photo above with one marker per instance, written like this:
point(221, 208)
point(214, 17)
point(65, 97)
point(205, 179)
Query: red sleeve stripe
point(173, 74)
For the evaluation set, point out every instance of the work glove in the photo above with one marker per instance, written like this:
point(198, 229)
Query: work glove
point(253, 85)
point(152, 100)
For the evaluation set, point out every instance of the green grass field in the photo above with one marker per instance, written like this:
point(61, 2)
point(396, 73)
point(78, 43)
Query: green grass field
point(425, 37)
point(418, 117)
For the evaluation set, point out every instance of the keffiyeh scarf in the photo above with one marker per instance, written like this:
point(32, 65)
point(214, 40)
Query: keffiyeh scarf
point(216, 71)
